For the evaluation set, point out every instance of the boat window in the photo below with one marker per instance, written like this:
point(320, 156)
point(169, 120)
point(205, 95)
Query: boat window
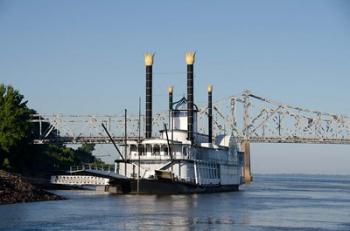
point(156, 150)
point(141, 150)
point(184, 150)
point(165, 150)
point(148, 149)
point(133, 148)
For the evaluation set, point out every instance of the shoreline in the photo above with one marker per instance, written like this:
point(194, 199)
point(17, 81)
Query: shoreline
point(16, 189)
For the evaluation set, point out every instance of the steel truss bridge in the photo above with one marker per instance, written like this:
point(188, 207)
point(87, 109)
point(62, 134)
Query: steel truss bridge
point(247, 116)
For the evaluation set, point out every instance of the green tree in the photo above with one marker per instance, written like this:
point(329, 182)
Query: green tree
point(17, 151)
point(84, 154)
point(87, 148)
point(14, 121)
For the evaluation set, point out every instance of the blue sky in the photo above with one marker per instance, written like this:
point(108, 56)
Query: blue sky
point(87, 57)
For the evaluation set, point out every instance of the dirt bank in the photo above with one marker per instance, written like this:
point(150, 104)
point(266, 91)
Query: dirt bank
point(15, 189)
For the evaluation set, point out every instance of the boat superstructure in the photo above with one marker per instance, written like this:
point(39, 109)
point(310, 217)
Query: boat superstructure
point(180, 160)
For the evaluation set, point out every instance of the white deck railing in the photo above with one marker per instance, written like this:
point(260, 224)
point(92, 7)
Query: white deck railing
point(79, 180)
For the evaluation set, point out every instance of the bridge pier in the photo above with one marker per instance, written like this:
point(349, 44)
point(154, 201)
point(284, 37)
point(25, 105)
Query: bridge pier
point(247, 174)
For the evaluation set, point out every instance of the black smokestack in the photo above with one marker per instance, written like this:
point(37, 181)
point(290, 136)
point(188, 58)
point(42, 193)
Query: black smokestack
point(170, 91)
point(210, 114)
point(190, 58)
point(149, 63)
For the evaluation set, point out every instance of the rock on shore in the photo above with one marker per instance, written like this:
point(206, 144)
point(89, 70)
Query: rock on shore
point(14, 189)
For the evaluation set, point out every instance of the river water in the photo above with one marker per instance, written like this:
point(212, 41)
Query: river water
point(271, 202)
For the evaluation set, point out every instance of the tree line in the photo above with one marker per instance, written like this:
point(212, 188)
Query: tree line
point(17, 151)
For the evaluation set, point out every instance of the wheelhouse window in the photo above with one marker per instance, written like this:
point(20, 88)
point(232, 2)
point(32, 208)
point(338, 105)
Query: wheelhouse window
point(141, 149)
point(156, 150)
point(148, 149)
point(165, 150)
point(133, 149)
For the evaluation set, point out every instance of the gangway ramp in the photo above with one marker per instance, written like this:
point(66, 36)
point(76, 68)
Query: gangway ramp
point(88, 175)
point(106, 171)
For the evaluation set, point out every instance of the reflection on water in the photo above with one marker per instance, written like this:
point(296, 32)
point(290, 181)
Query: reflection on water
point(270, 203)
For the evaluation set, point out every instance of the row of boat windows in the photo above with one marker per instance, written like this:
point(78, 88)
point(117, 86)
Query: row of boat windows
point(154, 150)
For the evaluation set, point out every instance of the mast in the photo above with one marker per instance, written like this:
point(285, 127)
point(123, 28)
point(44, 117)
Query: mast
point(138, 148)
point(125, 140)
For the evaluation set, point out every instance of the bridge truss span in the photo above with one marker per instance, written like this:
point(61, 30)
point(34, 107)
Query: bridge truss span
point(247, 116)
point(269, 121)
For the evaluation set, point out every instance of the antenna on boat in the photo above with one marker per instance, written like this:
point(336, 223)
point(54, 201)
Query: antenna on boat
point(138, 148)
point(170, 92)
point(171, 126)
point(125, 139)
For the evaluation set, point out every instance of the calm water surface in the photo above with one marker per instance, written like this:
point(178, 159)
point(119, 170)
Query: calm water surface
point(272, 202)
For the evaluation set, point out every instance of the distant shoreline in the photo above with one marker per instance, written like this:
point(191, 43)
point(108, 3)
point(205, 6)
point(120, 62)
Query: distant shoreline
point(301, 174)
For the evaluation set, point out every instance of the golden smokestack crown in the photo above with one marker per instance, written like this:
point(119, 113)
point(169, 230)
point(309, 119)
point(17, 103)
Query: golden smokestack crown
point(170, 89)
point(149, 59)
point(190, 58)
point(210, 88)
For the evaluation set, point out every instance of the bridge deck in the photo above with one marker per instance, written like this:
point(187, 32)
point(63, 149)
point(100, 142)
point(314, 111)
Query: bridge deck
point(120, 140)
